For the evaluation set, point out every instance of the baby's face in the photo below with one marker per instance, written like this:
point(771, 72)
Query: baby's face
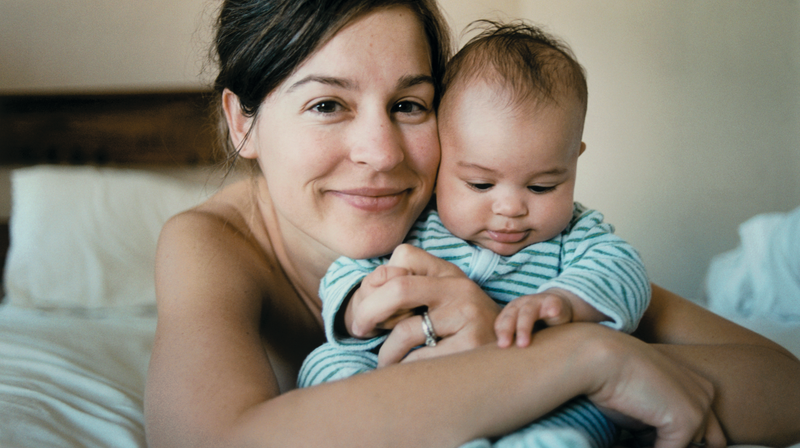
point(507, 175)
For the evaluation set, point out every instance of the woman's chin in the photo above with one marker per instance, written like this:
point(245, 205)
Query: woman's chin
point(371, 246)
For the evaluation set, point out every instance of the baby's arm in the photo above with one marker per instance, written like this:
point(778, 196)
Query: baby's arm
point(554, 306)
point(601, 279)
point(603, 270)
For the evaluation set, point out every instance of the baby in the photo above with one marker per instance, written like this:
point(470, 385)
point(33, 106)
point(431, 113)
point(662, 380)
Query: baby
point(511, 123)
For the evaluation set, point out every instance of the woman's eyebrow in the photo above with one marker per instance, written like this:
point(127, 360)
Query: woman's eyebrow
point(328, 80)
point(413, 80)
point(405, 82)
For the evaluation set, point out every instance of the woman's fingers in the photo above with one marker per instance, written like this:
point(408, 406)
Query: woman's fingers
point(395, 300)
point(696, 425)
point(639, 381)
point(406, 335)
point(461, 323)
point(393, 291)
point(419, 262)
point(381, 275)
point(714, 437)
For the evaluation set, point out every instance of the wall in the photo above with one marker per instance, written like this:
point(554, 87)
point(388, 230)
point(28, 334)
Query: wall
point(795, 36)
point(692, 124)
point(694, 107)
point(80, 45)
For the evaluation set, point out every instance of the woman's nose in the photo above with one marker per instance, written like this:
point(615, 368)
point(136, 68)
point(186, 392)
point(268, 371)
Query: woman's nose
point(377, 143)
point(510, 204)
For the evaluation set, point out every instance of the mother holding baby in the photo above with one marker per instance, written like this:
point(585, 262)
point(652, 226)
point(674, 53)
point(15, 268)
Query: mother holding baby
point(335, 103)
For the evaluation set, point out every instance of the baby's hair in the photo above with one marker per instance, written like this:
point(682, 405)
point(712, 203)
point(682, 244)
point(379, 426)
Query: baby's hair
point(526, 62)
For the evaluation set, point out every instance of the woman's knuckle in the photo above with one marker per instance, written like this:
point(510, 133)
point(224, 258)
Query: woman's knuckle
point(402, 252)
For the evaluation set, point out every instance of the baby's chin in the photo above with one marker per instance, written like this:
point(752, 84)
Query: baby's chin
point(503, 248)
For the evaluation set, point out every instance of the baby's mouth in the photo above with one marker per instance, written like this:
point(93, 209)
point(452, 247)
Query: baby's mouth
point(507, 237)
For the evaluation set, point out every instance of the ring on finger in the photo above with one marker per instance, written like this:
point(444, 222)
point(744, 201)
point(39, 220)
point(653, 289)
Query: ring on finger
point(699, 444)
point(427, 328)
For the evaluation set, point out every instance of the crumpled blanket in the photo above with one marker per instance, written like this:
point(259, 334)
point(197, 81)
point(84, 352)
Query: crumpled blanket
point(761, 277)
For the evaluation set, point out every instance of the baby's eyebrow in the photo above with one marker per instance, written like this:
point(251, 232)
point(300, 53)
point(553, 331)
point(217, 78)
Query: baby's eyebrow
point(475, 166)
point(552, 172)
point(557, 171)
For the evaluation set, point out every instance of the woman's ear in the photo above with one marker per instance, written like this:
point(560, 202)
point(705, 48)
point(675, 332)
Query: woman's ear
point(238, 124)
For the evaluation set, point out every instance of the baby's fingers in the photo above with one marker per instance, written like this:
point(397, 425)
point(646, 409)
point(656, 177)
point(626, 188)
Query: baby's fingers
point(506, 325)
point(555, 311)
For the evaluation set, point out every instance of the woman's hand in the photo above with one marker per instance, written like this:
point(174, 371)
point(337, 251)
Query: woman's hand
point(640, 388)
point(461, 313)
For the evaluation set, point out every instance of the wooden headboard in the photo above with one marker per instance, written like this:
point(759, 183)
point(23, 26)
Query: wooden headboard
point(169, 128)
point(165, 129)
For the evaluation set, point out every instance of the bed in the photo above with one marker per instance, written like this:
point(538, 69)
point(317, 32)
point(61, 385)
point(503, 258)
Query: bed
point(93, 179)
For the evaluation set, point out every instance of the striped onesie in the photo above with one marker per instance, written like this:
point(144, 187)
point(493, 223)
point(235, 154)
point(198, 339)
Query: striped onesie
point(586, 259)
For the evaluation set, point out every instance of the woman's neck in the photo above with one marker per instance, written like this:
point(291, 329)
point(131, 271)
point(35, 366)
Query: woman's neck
point(304, 261)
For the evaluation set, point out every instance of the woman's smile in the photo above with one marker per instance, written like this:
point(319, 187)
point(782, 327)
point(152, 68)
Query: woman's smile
point(372, 199)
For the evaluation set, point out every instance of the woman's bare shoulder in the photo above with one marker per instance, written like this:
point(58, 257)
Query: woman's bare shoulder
point(215, 249)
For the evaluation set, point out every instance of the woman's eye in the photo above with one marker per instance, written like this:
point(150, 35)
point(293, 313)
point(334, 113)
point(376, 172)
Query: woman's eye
point(408, 107)
point(540, 189)
point(480, 187)
point(326, 107)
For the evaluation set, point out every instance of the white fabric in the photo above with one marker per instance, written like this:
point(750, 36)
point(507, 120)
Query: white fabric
point(70, 381)
point(761, 277)
point(86, 236)
point(757, 284)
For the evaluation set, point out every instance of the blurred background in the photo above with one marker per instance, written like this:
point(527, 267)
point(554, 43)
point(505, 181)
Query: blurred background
point(694, 107)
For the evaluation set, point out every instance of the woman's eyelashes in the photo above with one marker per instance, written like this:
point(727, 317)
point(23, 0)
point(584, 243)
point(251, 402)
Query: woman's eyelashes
point(409, 107)
point(327, 107)
point(406, 111)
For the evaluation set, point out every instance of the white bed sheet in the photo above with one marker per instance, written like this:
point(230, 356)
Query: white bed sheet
point(71, 380)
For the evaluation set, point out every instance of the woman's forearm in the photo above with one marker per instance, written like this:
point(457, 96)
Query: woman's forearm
point(438, 403)
point(757, 382)
point(757, 390)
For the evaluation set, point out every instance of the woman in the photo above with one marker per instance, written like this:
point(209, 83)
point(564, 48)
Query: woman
point(335, 101)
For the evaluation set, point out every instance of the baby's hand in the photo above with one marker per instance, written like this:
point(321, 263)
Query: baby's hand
point(521, 314)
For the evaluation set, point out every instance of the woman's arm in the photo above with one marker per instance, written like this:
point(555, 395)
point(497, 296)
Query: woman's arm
point(211, 382)
point(757, 382)
point(746, 370)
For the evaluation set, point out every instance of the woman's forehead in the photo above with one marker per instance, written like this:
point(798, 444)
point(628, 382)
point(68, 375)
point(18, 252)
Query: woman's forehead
point(383, 42)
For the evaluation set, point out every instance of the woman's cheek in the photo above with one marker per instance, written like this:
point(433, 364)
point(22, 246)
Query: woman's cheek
point(428, 152)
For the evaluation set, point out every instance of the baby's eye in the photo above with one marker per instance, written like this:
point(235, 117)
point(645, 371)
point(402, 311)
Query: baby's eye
point(541, 189)
point(326, 107)
point(480, 187)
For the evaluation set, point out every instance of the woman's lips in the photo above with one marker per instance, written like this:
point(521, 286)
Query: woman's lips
point(507, 237)
point(372, 200)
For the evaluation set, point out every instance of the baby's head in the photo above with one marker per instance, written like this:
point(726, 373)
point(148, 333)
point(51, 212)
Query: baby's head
point(510, 124)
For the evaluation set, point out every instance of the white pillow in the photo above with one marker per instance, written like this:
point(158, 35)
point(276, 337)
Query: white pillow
point(86, 236)
point(761, 277)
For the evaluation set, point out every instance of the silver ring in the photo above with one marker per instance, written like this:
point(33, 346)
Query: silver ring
point(427, 328)
point(699, 444)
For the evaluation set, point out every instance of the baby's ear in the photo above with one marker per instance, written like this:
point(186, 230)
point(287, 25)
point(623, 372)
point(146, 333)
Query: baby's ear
point(238, 124)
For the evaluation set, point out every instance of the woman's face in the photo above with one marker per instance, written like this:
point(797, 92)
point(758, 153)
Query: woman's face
point(348, 144)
